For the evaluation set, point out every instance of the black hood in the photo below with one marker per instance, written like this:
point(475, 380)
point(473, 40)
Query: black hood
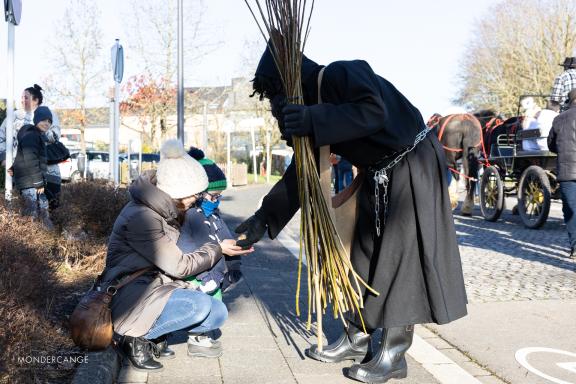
point(144, 191)
point(268, 72)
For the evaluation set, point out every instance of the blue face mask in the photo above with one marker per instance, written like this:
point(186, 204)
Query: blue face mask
point(208, 207)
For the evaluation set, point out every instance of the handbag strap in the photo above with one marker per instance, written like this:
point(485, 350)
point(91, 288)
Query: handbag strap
point(127, 279)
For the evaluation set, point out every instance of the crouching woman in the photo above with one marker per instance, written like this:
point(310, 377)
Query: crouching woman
point(144, 236)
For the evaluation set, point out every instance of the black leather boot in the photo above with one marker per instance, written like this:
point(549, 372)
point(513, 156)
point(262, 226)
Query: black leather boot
point(351, 345)
point(389, 362)
point(139, 352)
point(164, 352)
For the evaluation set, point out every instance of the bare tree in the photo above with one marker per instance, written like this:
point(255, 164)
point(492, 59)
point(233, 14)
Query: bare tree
point(516, 50)
point(249, 61)
point(79, 58)
point(154, 26)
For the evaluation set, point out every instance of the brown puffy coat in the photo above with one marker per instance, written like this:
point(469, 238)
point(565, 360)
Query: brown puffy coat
point(144, 235)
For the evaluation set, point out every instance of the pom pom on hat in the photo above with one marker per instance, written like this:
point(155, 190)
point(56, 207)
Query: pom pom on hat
point(196, 153)
point(178, 174)
point(172, 149)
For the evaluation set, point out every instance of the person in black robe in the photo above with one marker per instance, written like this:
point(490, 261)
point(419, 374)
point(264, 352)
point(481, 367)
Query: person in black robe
point(413, 261)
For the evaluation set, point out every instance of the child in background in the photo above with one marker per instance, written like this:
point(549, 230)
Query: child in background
point(203, 224)
point(30, 166)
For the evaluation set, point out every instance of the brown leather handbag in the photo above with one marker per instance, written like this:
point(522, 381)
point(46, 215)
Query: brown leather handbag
point(91, 321)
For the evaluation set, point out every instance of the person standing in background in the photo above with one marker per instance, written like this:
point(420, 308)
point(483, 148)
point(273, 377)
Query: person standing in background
point(562, 140)
point(32, 98)
point(563, 83)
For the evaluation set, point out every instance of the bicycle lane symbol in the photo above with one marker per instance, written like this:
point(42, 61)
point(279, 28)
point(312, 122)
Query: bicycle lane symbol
point(522, 357)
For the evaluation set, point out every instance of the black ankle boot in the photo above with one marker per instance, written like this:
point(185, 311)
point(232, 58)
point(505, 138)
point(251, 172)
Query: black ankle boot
point(164, 352)
point(389, 362)
point(351, 345)
point(139, 352)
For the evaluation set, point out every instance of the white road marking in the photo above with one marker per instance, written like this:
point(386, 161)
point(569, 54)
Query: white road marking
point(522, 357)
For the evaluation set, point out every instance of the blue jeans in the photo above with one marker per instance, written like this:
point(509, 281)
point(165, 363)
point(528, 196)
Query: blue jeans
point(189, 310)
point(34, 202)
point(568, 189)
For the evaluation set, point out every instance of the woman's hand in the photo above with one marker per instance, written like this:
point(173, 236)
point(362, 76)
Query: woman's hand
point(230, 248)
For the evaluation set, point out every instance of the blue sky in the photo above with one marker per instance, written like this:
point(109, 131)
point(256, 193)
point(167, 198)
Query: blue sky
point(417, 45)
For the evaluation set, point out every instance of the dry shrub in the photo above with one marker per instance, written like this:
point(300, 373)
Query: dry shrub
point(44, 274)
point(90, 206)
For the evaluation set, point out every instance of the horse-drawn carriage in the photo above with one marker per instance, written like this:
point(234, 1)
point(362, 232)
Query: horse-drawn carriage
point(510, 169)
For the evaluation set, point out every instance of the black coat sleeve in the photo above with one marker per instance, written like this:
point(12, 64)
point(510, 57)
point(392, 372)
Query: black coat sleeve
point(282, 202)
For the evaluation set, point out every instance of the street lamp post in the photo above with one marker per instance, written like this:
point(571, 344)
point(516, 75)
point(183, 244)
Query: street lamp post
point(13, 13)
point(180, 103)
point(118, 70)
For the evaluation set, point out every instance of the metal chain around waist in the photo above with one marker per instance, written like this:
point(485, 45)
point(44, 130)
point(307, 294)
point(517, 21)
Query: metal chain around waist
point(381, 178)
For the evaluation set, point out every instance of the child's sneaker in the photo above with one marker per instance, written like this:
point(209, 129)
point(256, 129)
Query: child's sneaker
point(202, 345)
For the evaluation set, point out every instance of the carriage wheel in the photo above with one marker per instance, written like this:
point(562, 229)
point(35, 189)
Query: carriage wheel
point(491, 194)
point(534, 197)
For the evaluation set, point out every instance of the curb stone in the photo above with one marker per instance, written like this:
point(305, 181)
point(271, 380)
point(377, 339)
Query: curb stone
point(102, 368)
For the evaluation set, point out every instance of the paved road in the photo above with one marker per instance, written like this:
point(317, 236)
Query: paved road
point(522, 292)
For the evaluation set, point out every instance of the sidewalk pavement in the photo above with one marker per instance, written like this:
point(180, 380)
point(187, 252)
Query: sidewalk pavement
point(264, 340)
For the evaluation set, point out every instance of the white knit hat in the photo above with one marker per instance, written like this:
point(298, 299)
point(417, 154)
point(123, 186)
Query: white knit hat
point(178, 174)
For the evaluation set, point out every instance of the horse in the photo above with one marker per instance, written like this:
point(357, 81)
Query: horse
point(461, 137)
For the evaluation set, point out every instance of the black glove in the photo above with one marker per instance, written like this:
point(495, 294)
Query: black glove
point(297, 120)
point(253, 228)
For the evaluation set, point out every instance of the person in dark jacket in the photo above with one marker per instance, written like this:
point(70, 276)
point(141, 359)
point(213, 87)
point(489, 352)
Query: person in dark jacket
point(30, 166)
point(562, 140)
point(407, 251)
point(145, 235)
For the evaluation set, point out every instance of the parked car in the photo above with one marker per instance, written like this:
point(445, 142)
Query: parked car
point(98, 165)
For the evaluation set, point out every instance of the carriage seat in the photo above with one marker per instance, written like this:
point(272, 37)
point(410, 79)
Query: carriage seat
point(528, 134)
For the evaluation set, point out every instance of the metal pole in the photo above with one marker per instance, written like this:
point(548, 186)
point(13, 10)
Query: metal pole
point(10, 112)
point(205, 128)
point(111, 146)
point(228, 160)
point(114, 159)
point(180, 104)
point(140, 157)
point(254, 154)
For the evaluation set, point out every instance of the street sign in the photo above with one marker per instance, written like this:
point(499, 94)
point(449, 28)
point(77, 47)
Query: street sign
point(13, 11)
point(117, 52)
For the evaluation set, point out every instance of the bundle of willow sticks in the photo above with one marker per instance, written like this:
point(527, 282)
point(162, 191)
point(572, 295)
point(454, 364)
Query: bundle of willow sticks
point(331, 278)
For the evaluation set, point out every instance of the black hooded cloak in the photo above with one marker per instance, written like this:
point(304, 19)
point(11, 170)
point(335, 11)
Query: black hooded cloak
point(415, 263)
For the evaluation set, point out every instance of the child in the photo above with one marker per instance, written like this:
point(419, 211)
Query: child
point(203, 224)
point(29, 169)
